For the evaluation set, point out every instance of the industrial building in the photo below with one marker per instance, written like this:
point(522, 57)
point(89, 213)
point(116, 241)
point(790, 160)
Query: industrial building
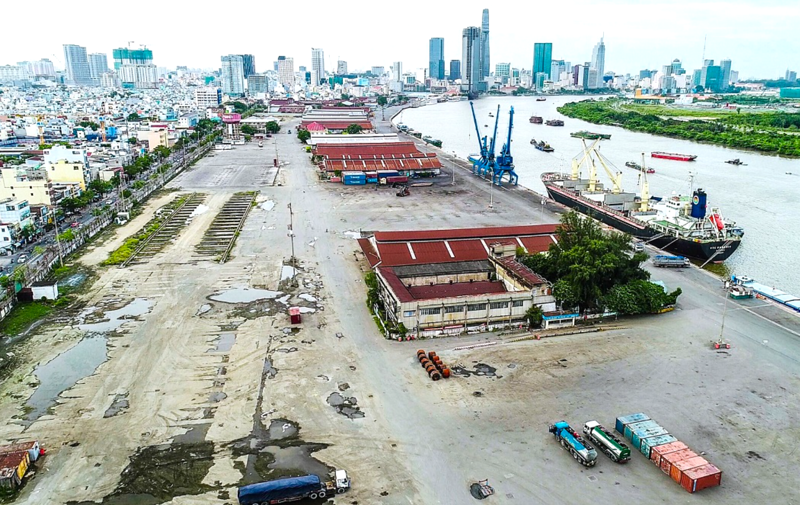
point(403, 157)
point(446, 282)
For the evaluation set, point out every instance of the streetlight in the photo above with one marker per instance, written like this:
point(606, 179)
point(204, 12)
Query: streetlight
point(454, 169)
point(491, 193)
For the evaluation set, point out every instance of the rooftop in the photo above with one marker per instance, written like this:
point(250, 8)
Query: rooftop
point(417, 293)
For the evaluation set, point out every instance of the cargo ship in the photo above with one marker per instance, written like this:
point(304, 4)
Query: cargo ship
point(542, 146)
point(554, 122)
point(682, 225)
point(673, 156)
point(583, 134)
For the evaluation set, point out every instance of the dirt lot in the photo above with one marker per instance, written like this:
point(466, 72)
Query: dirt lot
point(202, 386)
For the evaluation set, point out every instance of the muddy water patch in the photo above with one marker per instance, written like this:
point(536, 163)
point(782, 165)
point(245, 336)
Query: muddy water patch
point(480, 370)
point(119, 405)
point(288, 272)
point(217, 396)
point(244, 295)
point(74, 280)
point(224, 343)
point(282, 429)
point(307, 297)
point(113, 319)
point(63, 372)
point(345, 405)
point(203, 309)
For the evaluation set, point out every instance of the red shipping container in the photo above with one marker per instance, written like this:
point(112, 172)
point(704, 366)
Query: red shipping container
point(669, 459)
point(676, 472)
point(660, 450)
point(701, 477)
point(397, 179)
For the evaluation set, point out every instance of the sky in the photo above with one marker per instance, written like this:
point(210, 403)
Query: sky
point(758, 36)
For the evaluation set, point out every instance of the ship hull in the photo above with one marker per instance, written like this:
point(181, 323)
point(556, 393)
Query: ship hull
point(680, 246)
point(675, 157)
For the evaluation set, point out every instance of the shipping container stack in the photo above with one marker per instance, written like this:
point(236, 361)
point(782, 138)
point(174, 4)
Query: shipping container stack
point(674, 458)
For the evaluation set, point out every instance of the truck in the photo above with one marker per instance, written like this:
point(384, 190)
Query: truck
point(608, 444)
point(293, 489)
point(574, 443)
point(662, 260)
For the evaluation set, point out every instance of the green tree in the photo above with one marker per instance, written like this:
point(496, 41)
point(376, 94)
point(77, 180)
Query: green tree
point(89, 124)
point(132, 140)
point(382, 101)
point(38, 250)
point(303, 135)
point(639, 297)
point(248, 130)
point(133, 117)
point(27, 232)
point(272, 127)
point(162, 151)
point(354, 129)
point(100, 186)
point(534, 316)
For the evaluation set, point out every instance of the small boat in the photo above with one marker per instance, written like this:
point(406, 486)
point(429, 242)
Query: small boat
point(736, 162)
point(554, 122)
point(633, 165)
point(536, 120)
point(583, 134)
point(541, 99)
point(739, 292)
point(491, 115)
point(542, 146)
point(673, 156)
point(651, 171)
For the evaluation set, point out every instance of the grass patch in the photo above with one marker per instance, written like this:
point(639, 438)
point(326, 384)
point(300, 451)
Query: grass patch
point(666, 110)
point(23, 315)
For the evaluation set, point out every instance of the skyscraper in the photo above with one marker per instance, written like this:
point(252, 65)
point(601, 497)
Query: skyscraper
point(135, 67)
point(471, 59)
point(706, 64)
point(341, 67)
point(599, 63)
point(233, 75)
point(485, 64)
point(556, 67)
point(713, 80)
point(317, 66)
point(77, 64)
point(502, 70)
point(397, 71)
point(98, 65)
point(542, 59)
point(455, 70)
point(286, 73)
point(677, 67)
point(248, 64)
point(725, 78)
point(436, 58)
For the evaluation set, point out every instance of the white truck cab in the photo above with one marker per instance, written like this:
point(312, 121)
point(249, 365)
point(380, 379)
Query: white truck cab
point(342, 481)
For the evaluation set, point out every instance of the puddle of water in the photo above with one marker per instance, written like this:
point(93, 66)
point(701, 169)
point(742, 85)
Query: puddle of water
point(481, 369)
point(244, 295)
point(352, 234)
point(296, 457)
point(224, 343)
point(287, 272)
point(195, 434)
point(268, 205)
point(201, 209)
point(116, 318)
point(63, 372)
point(203, 309)
point(281, 429)
point(217, 396)
point(284, 299)
point(307, 310)
point(345, 405)
point(119, 404)
point(307, 297)
point(74, 280)
point(269, 370)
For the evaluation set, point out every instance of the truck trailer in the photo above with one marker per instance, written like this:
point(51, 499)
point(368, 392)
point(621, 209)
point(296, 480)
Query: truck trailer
point(574, 443)
point(662, 260)
point(608, 444)
point(292, 489)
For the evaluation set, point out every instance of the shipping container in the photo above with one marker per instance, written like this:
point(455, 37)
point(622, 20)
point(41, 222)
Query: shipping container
point(676, 472)
point(372, 180)
point(397, 179)
point(354, 173)
point(388, 173)
point(336, 179)
point(632, 418)
point(701, 477)
point(32, 447)
point(355, 182)
point(652, 431)
point(668, 460)
point(658, 452)
point(641, 425)
point(648, 443)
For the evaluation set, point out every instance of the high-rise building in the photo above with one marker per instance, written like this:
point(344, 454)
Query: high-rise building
point(791, 75)
point(556, 68)
point(317, 66)
point(286, 73)
point(135, 67)
point(502, 70)
point(599, 63)
point(397, 71)
point(725, 78)
point(248, 64)
point(713, 80)
point(377, 71)
point(207, 97)
point(697, 76)
point(436, 58)
point(341, 67)
point(42, 69)
point(706, 64)
point(645, 74)
point(98, 65)
point(455, 70)
point(735, 76)
point(677, 67)
point(542, 58)
point(257, 83)
point(485, 64)
point(233, 75)
point(471, 59)
point(77, 65)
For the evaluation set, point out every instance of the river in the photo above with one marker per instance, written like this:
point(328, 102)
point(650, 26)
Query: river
point(761, 197)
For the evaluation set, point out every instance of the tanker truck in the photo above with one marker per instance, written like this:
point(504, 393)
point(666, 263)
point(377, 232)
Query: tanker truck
point(574, 443)
point(608, 444)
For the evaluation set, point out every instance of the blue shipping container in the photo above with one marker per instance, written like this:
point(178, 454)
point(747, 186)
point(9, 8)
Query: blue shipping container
point(372, 179)
point(632, 418)
point(649, 443)
point(640, 435)
point(354, 182)
point(643, 425)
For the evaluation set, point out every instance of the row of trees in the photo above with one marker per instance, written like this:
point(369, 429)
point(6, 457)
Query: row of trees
point(594, 270)
point(762, 132)
point(269, 127)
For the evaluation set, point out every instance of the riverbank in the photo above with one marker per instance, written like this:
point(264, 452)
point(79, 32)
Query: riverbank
point(765, 132)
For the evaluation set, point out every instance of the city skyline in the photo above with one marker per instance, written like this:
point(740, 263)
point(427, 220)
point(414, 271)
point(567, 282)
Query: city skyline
point(755, 44)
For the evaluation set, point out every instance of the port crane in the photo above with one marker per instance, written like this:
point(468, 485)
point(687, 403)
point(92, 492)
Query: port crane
point(487, 164)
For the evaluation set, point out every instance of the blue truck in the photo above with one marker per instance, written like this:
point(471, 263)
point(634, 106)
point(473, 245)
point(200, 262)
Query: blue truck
point(662, 260)
point(293, 489)
point(574, 443)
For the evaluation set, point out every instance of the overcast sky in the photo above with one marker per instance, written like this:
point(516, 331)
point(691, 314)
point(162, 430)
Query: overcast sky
point(759, 36)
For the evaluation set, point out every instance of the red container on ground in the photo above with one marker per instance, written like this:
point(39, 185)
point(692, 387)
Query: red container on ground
point(294, 315)
point(701, 477)
point(396, 178)
point(670, 459)
point(657, 452)
point(679, 467)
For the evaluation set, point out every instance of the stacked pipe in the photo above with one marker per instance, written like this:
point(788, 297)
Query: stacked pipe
point(433, 365)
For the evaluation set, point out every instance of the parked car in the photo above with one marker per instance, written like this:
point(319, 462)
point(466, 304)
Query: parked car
point(22, 258)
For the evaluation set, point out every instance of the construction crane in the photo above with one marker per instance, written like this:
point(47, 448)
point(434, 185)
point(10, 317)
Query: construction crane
point(505, 162)
point(488, 164)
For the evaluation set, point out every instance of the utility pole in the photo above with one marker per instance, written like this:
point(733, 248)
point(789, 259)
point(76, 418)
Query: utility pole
point(491, 192)
point(291, 233)
point(454, 169)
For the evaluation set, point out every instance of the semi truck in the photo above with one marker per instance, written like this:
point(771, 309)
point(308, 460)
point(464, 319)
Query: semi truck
point(293, 489)
point(574, 443)
point(662, 260)
point(608, 444)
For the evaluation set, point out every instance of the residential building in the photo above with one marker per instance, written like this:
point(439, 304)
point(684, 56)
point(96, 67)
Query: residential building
point(471, 60)
point(725, 70)
point(77, 65)
point(791, 75)
point(377, 71)
point(436, 58)
point(248, 65)
point(502, 70)
point(188, 120)
point(135, 68)
point(32, 184)
point(98, 65)
point(233, 75)
point(257, 83)
point(110, 80)
point(455, 70)
point(63, 171)
point(207, 97)
point(286, 73)
point(63, 153)
point(14, 216)
point(341, 67)
point(599, 64)
point(542, 59)
point(155, 136)
point(41, 69)
point(11, 73)
point(735, 76)
point(556, 68)
point(317, 66)
point(484, 43)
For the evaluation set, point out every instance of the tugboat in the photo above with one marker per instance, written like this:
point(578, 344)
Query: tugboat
point(536, 119)
point(681, 224)
point(633, 165)
point(736, 162)
point(554, 122)
point(542, 146)
point(583, 134)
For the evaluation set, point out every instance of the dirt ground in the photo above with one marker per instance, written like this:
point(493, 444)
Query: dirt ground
point(209, 388)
